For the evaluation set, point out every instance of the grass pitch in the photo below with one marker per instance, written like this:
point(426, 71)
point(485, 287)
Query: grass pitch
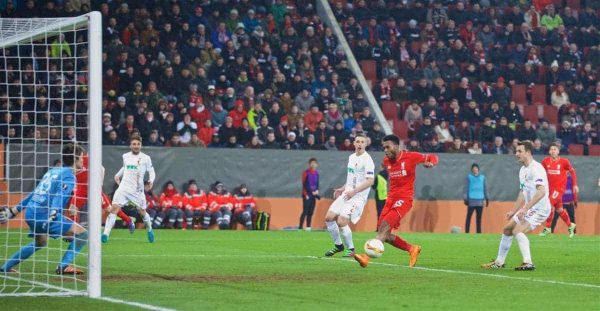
point(241, 270)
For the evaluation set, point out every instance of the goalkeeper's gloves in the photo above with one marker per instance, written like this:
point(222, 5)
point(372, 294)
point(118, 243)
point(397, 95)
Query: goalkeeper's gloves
point(7, 213)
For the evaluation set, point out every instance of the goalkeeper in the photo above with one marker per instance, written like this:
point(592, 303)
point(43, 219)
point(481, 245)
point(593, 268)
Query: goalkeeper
point(44, 213)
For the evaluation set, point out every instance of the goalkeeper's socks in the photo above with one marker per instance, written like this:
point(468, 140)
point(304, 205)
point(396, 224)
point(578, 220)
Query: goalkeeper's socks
point(110, 222)
point(74, 248)
point(24, 253)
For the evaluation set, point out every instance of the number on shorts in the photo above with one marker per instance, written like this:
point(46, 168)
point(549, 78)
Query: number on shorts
point(398, 203)
point(555, 194)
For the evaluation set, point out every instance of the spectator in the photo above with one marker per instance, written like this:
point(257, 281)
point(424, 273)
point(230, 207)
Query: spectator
point(270, 142)
point(471, 114)
point(566, 134)
point(290, 143)
point(551, 20)
point(560, 97)
point(432, 146)
point(227, 130)
point(592, 115)
point(546, 134)
point(254, 143)
point(425, 131)
point(513, 115)
point(538, 148)
point(255, 115)
point(126, 129)
point(275, 114)
point(503, 130)
point(475, 195)
point(586, 136)
point(175, 141)
point(413, 114)
point(153, 140)
point(313, 117)
point(171, 203)
point(220, 204)
point(497, 148)
point(244, 207)
point(366, 120)
point(457, 147)
point(475, 149)
point(443, 133)
point(111, 140)
point(526, 132)
point(304, 101)
point(232, 143)
point(331, 144)
point(186, 128)
point(238, 114)
point(464, 132)
point(573, 117)
point(218, 114)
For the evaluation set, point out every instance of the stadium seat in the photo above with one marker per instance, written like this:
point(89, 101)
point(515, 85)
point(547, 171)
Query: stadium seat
point(390, 110)
point(595, 150)
point(369, 69)
point(531, 113)
point(401, 128)
point(538, 94)
point(519, 93)
point(575, 5)
point(551, 114)
point(576, 149)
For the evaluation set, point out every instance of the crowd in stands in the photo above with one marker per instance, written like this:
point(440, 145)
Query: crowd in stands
point(464, 76)
point(271, 74)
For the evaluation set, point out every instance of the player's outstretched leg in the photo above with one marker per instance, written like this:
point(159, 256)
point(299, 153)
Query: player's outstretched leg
point(24, 253)
point(564, 215)
point(548, 228)
point(148, 224)
point(334, 231)
point(503, 248)
point(110, 222)
point(80, 237)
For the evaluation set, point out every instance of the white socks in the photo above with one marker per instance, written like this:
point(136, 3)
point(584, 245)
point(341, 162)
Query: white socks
point(505, 244)
point(347, 235)
point(334, 231)
point(524, 247)
point(110, 222)
point(147, 222)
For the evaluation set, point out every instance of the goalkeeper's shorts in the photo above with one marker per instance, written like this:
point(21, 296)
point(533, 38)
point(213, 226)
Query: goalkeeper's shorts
point(54, 229)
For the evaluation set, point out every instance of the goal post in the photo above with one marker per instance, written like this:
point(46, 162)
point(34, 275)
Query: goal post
point(50, 96)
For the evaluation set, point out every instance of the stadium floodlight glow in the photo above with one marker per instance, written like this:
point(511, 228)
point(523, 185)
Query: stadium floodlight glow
point(50, 96)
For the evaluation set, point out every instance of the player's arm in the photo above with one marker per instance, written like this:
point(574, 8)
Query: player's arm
point(7, 212)
point(362, 186)
point(151, 173)
point(63, 190)
point(571, 170)
point(428, 160)
point(338, 191)
point(518, 205)
point(119, 175)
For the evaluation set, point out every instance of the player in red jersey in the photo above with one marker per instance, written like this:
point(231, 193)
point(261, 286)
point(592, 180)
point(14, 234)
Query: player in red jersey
point(79, 199)
point(401, 167)
point(557, 169)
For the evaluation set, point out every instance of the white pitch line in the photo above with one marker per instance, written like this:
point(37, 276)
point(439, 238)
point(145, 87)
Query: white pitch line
point(135, 304)
point(500, 276)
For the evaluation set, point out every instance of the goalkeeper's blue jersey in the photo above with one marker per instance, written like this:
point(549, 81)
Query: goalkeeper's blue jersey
point(50, 195)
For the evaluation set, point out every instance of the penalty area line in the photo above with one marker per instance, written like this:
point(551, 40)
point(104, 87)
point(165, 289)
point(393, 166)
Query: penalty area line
point(499, 276)
point(134, 304)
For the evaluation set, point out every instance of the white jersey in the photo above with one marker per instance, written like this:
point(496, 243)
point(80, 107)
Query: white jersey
point(529, 178)
point(133, 171)
point(359, 169)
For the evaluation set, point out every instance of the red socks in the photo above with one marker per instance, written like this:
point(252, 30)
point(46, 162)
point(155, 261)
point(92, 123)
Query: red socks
point(401, 244)
point(565, 217)
point(124, 216)
point(550, 218)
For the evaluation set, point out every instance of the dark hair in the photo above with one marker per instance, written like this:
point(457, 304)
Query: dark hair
point(69, 152)
point(135, 136)
point(312, 160)
point(474, 165)
point(392, 138)
point(550, 145)
point(527, 144)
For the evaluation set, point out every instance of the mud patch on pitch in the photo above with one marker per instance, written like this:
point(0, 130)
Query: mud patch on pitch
point(225, 278)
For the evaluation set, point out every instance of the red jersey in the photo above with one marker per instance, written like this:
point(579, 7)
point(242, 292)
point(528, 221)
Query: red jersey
point(242, 200)
point(80, 193)
point(215, 201)
point(557, 173)
point(402, 172)
point(195, 201)
point(172, 200)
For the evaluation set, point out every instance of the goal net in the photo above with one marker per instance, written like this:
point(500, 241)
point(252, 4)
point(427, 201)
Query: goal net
point(50, 96)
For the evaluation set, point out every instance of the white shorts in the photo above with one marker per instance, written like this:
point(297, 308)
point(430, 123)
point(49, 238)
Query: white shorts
point(137, 199)
point(535, 216)
point(351, 209)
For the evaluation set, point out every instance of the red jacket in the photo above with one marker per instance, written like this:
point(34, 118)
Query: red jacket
point(171, 200)
point(312, 120)
point(151, 200)
point(195, 201)
point(242, 200)
point(238, 116)
point(199, 116)
point(216, 201)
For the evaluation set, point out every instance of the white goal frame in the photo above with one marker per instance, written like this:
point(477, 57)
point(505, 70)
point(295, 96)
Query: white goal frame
point(28, 30)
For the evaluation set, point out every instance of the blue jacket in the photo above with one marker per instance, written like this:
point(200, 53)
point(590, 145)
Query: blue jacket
point(475, 190)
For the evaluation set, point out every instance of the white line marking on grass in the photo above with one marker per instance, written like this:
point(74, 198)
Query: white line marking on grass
point(135, 304)
point(61, 290)
point(499, 276)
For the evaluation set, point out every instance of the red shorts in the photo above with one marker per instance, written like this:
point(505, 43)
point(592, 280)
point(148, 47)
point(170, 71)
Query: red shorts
point(394, 211)
point(555, 199)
